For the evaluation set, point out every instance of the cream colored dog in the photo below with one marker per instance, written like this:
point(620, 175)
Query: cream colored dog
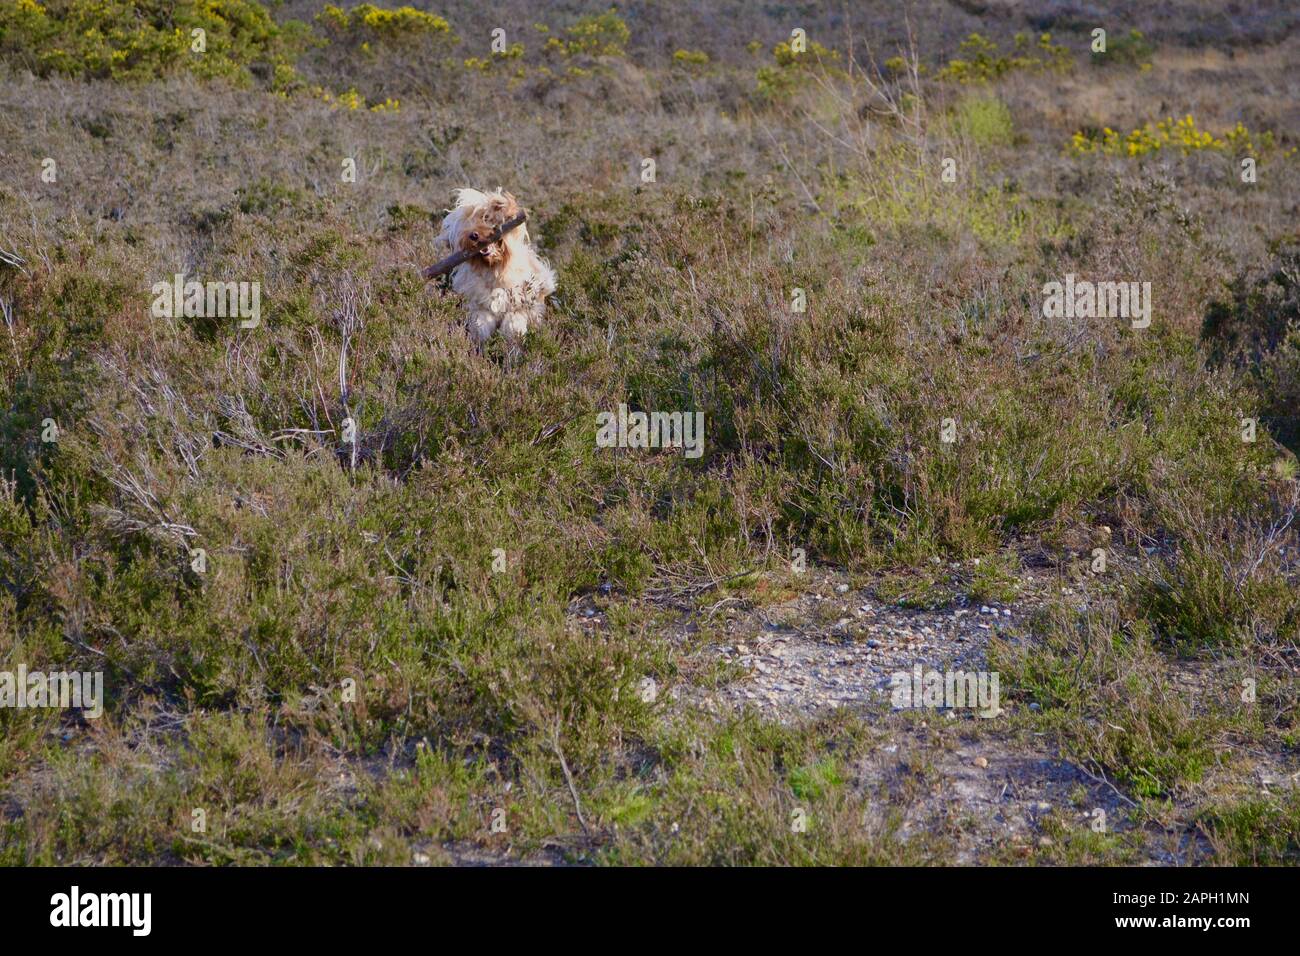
point(505, 286)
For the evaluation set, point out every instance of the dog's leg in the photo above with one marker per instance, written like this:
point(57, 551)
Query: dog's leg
point(514, 325)
point(482, 324)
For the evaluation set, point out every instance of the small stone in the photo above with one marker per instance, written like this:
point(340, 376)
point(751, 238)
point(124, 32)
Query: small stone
point(420, 859)
point(1046, 841)
point(981, 762)
point(841, 588)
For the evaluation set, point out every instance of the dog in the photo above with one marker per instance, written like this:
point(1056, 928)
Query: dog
point(504, 287)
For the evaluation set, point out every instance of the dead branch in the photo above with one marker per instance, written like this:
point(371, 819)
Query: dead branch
point(456, 258)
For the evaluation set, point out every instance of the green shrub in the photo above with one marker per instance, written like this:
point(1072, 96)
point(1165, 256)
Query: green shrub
point(136, 41)
point(792, 69)
point(366, 22)
point(1090, 672)
point(604, 34)
point(981, 61)
point(1258, 831)
point(1256, 327)
point(996, 578)
point(691, 59)
point(985, 120)
point(1222, 586)
point(1130, 48)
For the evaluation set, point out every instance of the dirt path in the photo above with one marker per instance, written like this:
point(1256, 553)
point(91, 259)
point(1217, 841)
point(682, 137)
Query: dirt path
point(995, 790)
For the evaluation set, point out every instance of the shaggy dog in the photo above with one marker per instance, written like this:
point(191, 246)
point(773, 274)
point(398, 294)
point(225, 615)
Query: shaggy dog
point(505, 286)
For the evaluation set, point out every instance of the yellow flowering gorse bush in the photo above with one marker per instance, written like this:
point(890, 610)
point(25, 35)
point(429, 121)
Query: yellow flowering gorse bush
point(591, 36)
point(1182, 135)
point(792, 67)
point(691, 58)
point(368, 22)
point(120, 40)
point(605, 34)
point(981, 61)
point(352, 100)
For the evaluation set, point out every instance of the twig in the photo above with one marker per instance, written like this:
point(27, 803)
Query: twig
point(7, 308)
point(456, 258)
point(1102, 780)
point(568, 777)
point(13, 259)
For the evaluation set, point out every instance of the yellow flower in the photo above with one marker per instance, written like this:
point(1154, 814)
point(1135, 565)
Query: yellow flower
point(1171, 132)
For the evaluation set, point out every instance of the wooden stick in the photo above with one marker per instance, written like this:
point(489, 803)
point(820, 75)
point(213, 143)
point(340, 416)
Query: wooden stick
point(456, 258)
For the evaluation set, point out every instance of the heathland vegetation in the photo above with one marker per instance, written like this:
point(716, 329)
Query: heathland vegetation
point(363, 594)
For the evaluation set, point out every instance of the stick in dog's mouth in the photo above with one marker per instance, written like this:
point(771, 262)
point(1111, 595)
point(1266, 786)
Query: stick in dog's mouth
point(499, 232)
point(456, 258)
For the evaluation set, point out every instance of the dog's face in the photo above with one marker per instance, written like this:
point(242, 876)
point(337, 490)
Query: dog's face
point(475, 218)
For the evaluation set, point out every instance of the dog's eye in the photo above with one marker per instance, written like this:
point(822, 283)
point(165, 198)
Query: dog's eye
point(473, 237)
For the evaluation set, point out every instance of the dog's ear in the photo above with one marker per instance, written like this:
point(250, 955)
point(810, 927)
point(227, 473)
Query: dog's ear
point(449, 233)
point(503, 204)
point(466, 196)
